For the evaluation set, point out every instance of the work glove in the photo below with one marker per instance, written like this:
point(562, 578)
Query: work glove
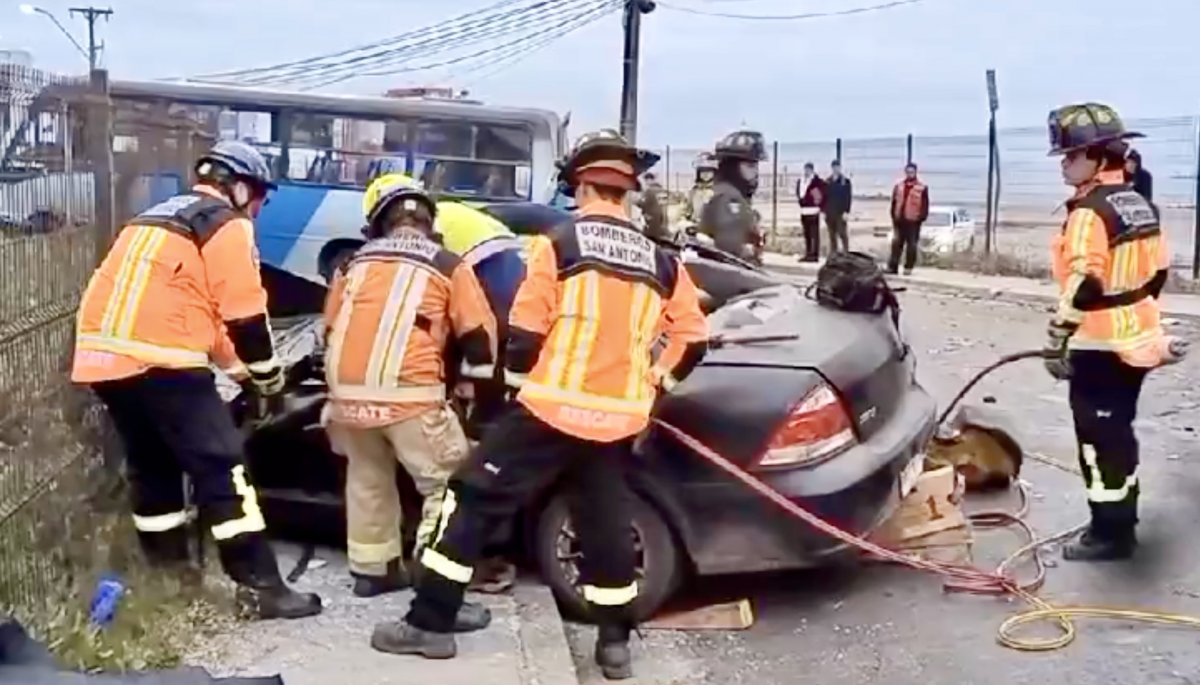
point(1054, 353)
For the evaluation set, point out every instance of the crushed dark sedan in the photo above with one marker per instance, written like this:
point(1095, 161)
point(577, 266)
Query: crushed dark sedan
point(822, 404)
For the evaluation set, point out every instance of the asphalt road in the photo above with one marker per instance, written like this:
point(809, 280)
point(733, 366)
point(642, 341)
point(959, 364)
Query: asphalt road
point(895, 626)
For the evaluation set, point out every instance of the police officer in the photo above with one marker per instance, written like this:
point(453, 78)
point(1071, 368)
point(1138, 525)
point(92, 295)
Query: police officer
point(652, 203)
point(181, 287)
point(729, 216)
point(595, 298)
point(702, 188)
point(1111, 263)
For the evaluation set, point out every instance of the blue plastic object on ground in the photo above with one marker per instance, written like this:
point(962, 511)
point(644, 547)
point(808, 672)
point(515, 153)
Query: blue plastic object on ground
point(106, 598)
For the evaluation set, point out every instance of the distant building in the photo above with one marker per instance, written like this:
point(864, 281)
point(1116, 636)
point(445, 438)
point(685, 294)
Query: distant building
point(21, 58)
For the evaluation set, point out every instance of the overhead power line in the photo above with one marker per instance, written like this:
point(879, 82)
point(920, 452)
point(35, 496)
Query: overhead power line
point(502, 60)
point(501, 27)
point(517, 31)
point(503, 54)
point(393, 40)
point(788, 17)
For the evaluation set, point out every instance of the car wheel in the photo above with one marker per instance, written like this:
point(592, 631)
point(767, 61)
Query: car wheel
point(657, 557)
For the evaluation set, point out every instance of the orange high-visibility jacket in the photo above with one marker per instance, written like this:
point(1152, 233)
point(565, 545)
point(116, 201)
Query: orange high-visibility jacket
point(910, 201)
point(388, 317)
point(596, 297)
point(1111, 262)
point(179, 287)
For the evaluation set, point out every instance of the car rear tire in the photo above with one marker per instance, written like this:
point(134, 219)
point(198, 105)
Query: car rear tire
point(658, 559)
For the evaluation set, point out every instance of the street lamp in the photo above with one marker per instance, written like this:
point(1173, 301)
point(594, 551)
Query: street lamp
point(31, 9)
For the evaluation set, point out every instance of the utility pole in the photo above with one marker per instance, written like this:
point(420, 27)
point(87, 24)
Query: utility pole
point(92, 14)
point(634, 9)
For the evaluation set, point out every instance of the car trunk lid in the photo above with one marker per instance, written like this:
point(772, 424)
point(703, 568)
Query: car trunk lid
point(862, 356)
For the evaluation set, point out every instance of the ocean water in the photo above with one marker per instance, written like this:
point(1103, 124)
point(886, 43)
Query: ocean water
point(955, 167)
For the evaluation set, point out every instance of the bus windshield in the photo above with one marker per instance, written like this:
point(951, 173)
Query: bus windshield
point(325, 149)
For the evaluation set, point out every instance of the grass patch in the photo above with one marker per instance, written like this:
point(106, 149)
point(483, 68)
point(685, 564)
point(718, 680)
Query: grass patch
point(159, 619)
point(64, 522)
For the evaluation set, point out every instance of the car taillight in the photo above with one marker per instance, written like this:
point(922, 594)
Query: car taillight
point(817, 428)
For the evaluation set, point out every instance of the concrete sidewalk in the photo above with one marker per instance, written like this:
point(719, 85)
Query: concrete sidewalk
point(986, 287)
point(525, 645)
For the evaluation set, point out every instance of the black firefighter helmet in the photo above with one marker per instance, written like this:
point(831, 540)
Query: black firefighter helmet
point(607, 150)
point(743, 145)
point(1087, 125)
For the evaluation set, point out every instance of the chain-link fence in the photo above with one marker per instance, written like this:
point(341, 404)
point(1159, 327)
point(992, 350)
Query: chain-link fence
point(49, 241)
point(72, 166)
point(955, 168)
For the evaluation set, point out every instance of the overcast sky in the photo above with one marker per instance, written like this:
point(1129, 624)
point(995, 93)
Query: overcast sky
point(916, 68)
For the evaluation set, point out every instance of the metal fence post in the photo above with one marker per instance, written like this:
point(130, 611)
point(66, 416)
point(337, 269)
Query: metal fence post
point(908, 144)
point(668, 172)
point(1196, 209)
point(775, 189)
point(100, 153)
point(989, 221)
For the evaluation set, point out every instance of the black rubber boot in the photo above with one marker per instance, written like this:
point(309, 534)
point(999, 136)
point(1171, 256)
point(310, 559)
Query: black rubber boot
point(612, 652)
point(472, 617)
point(250, 562)
point(1091, 546)
point(394, 580)
point(402, 638)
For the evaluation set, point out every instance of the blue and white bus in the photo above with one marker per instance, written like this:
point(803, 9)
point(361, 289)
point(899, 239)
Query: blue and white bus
point(325, 148)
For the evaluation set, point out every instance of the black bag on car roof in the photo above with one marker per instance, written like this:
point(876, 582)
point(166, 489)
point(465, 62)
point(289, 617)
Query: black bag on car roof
point(853, 282)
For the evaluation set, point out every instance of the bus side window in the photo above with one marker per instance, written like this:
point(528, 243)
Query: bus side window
point(341, 150)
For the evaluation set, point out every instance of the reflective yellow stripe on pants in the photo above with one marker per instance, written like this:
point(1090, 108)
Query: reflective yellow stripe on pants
point(440, 563)
point(1097, 492)
point(162, 522)
point(610, 596)
point(251, 520)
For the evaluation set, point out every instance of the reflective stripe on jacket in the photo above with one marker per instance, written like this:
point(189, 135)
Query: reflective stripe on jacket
point(161, 295)
point(1106, 260)
point(596, 297)
point(388, 317)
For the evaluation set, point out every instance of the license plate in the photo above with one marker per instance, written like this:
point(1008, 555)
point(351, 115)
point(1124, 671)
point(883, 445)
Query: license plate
point(911, 473)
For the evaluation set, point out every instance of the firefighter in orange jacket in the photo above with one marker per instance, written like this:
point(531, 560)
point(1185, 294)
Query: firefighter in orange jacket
point(181, 287)
point(388, 317)
point(596, 297)
point(1111, 263)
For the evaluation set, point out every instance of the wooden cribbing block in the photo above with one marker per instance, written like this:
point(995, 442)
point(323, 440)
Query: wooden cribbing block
point(737, 615)
point(934, 505)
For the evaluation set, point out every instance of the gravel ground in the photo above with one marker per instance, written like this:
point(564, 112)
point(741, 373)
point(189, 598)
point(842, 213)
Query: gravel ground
point(896, 626)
